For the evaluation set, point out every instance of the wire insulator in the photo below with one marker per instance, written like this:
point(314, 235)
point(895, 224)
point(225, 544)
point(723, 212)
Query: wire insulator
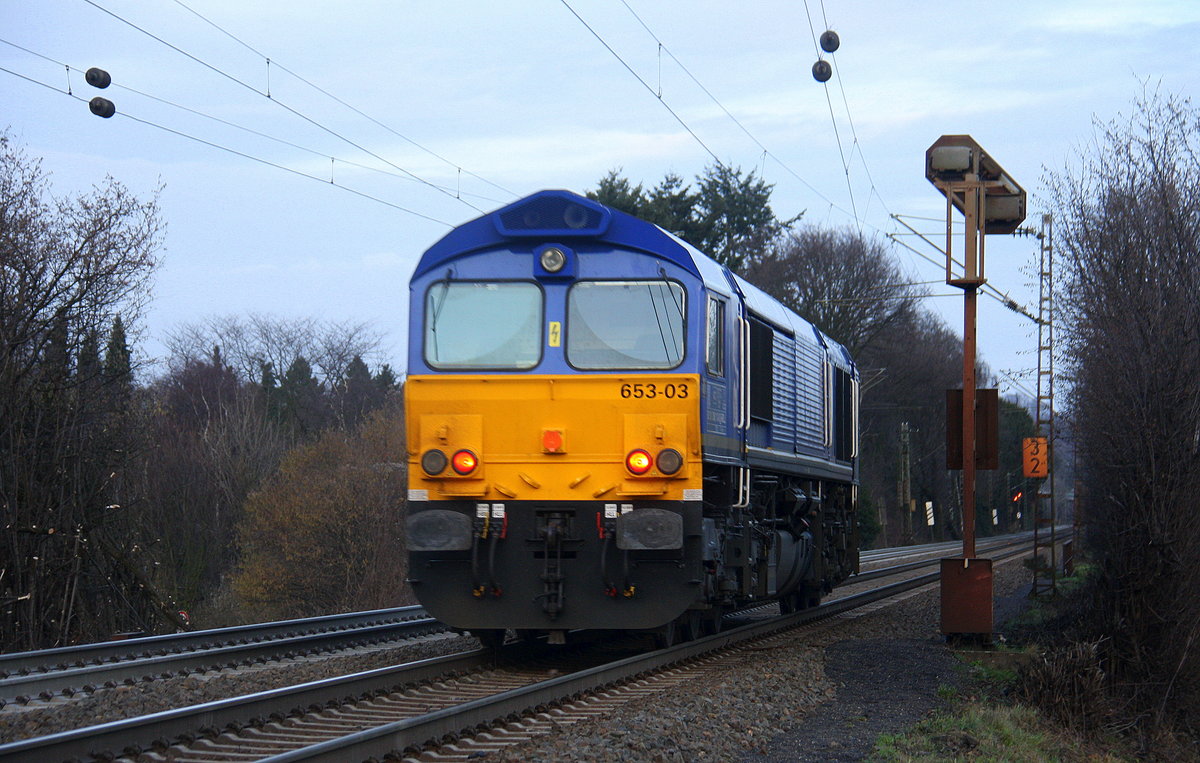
point(102, 107)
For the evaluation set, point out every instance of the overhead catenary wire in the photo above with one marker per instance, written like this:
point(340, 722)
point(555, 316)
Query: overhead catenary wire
point(850, 120)
point(833, 120)
point(281, 104)
point(339, 100)
point(227, 123)
point(766, 151)
point(988, 290)
point(852, 213)
point(645, 84)
point(235, 152)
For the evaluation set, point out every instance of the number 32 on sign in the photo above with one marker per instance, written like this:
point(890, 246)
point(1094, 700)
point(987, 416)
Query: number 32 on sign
point(1035, 452)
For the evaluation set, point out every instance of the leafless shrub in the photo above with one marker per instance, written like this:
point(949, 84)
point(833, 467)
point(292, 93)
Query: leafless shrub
point(1069, 683)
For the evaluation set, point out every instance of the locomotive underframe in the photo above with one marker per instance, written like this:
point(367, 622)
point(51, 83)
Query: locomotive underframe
point(562, 565)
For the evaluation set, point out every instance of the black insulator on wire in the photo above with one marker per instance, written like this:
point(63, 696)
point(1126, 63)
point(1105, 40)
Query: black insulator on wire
point(97, 78)
point(830, 41)
point(102, 107)
point(822, 71)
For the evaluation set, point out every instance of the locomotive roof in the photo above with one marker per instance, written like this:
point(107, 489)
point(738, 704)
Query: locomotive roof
point(558, 216)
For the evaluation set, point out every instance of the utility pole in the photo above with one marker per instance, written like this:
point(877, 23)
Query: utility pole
point(906, 499)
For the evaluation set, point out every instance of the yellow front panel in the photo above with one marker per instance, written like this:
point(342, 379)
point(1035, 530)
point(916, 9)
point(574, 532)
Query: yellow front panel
point(593, 421)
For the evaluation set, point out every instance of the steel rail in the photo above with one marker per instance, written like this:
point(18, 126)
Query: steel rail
point(138, 665)
point(144, 732)
point(52, 659)
point(879, 554)
point(884, 572)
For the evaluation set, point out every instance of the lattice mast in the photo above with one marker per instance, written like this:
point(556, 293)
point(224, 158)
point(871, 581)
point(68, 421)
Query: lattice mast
point(1045, 571)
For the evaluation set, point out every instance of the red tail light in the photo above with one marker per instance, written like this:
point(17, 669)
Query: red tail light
point(464, 462)
point(639, 461)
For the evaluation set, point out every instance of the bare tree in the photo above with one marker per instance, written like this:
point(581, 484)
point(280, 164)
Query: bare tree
point(1128, 215)
point(257, 341)
point(849, 286)
point(72, 565)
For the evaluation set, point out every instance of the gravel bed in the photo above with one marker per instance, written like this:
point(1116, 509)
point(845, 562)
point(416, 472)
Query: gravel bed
point(821, 693)
point(42, 718)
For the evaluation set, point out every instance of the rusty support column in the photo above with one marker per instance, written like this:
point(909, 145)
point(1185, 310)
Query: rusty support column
point(970, 294)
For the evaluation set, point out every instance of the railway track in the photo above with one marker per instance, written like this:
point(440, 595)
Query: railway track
point(69, 671)
point(82, 670)
point(374, 713)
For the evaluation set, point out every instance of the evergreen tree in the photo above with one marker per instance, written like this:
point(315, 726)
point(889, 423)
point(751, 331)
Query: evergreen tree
point(671, 206)
point(302, 409)
point(118, 369)
point(386, 380)
point(729, 218)
point(87, 363)
point(617, 192)
point(68, 571)
point(357, 394)
point(734, 216)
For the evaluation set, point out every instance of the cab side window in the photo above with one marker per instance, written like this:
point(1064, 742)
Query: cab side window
point(714, 344)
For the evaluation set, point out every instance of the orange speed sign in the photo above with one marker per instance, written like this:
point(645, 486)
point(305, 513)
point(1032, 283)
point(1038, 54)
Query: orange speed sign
point(1035, 454)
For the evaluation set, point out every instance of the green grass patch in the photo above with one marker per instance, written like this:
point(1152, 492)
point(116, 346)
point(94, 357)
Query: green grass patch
point(987, 732)
point(986, 725)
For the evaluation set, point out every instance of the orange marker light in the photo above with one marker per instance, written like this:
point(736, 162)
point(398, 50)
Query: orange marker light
point(464, 462)
point(639, 461)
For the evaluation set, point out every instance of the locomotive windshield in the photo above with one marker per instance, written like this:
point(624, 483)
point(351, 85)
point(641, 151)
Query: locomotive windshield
point(470, 324)
point(625, 325)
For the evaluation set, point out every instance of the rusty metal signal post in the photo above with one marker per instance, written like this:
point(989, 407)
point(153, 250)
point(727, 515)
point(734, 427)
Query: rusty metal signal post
point(990, 202)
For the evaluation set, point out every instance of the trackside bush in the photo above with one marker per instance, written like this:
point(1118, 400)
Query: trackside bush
point(325, 534)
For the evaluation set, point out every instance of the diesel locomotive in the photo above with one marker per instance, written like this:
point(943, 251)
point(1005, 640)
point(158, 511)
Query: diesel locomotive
point(607, 429)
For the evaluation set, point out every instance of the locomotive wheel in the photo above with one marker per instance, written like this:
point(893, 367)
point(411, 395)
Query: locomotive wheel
point(710, 621)
point(691, 625)
point(490, 638)
point(790, 603)
point(664, 635)
point(809, 596)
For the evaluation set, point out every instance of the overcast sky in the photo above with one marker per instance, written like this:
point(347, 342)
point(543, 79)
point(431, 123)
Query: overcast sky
point(473, 104)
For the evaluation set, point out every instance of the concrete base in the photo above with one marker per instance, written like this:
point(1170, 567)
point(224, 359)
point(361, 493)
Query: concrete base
point(967, 597)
